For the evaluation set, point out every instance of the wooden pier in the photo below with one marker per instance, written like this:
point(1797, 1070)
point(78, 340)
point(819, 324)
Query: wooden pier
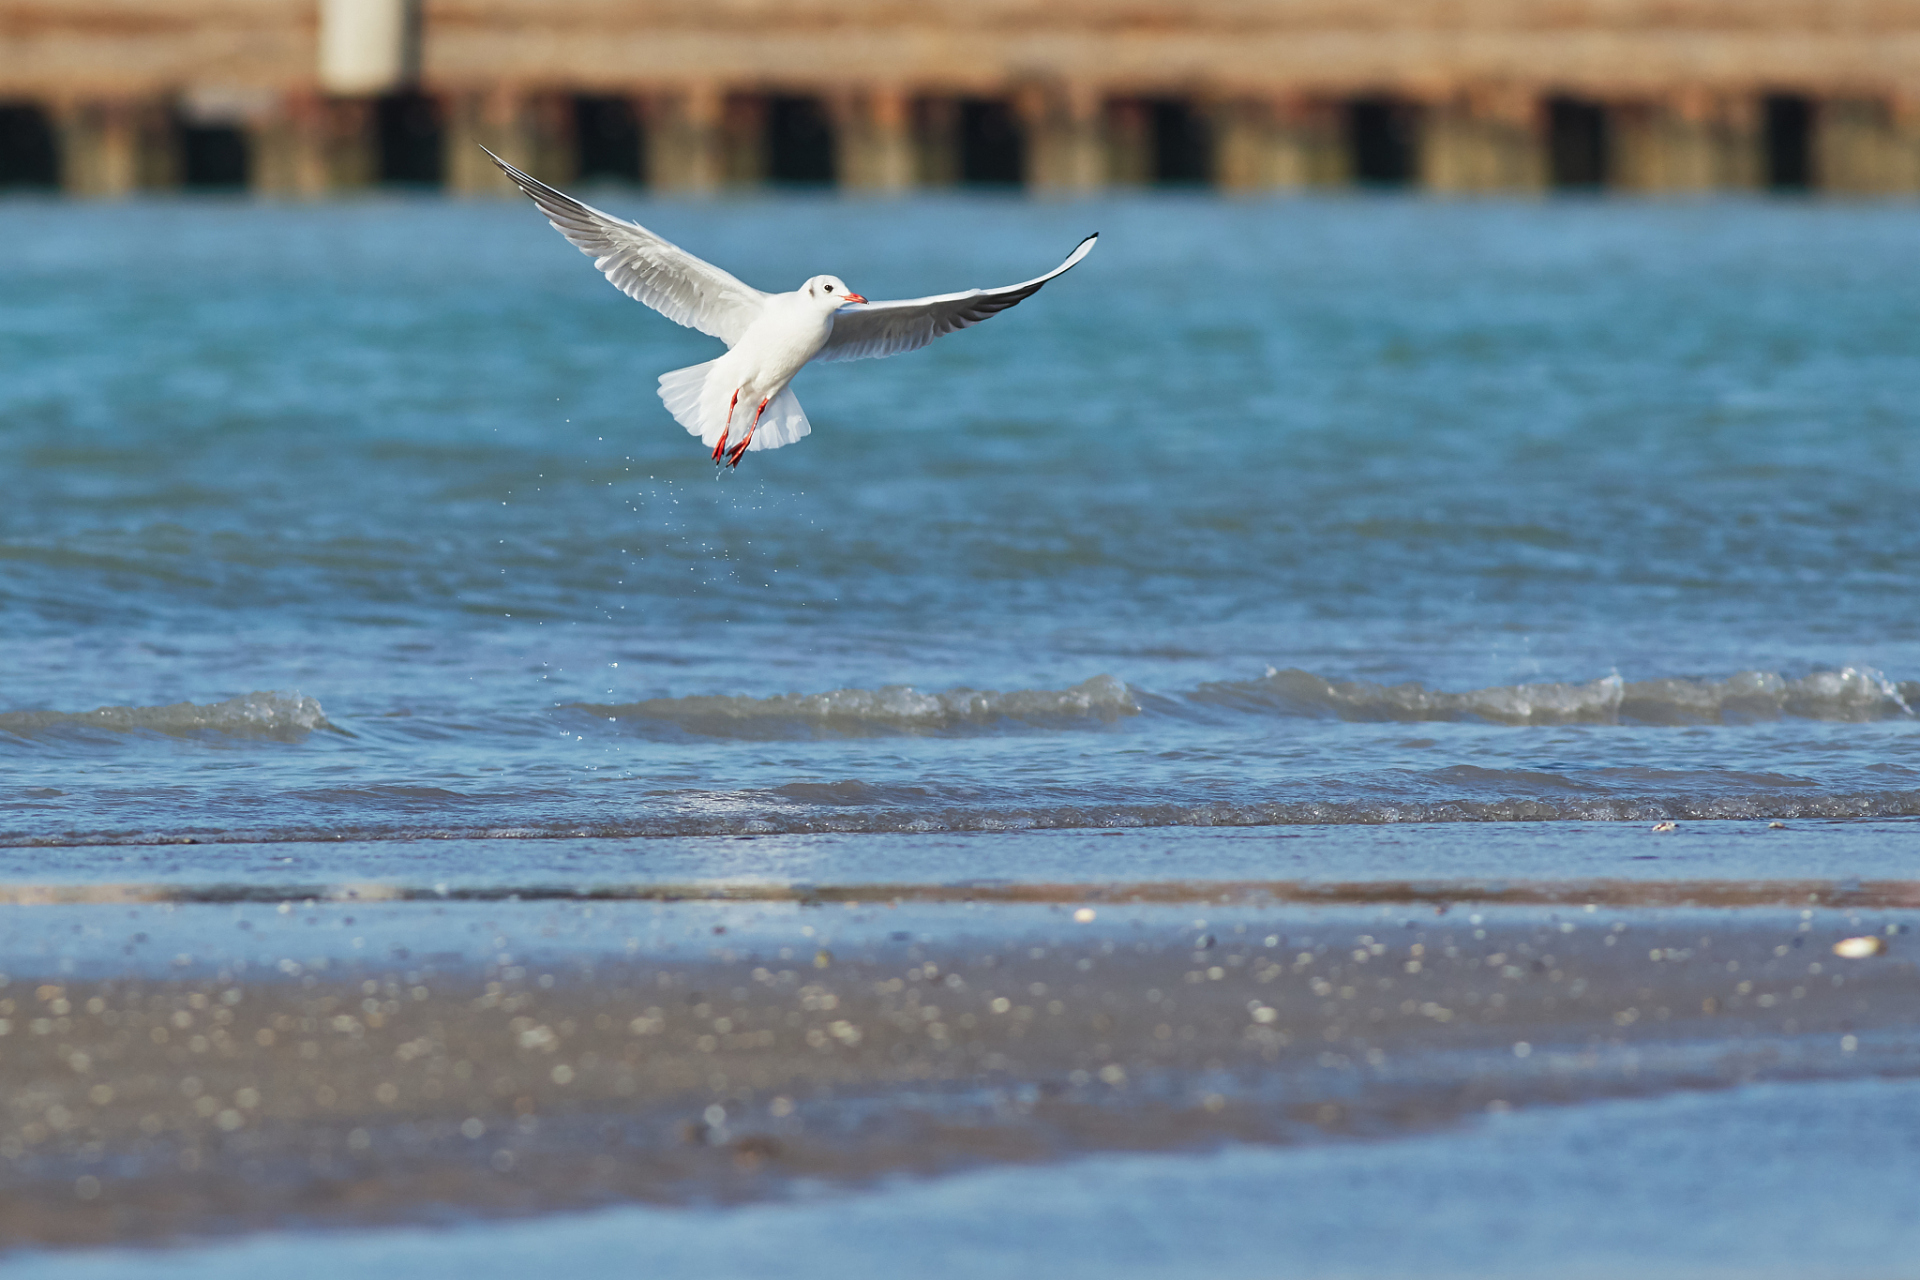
point(308, 97)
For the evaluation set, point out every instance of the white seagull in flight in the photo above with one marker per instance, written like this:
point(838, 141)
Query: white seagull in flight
point(769, 336)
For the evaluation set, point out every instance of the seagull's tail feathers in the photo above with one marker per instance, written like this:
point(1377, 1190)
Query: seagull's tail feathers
point(783, 422)
point(680, 391)
point(702, 410)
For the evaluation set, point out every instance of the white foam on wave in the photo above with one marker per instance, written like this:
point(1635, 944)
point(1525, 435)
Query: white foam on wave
point(1302, 693)
point(892, 709)
point(281, 716)
point(1849, 694)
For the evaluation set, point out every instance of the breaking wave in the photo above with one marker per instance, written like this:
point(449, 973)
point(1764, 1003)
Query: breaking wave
point(1851, 694)
point(892, 710)
point(284, 717)
point(1847, 695)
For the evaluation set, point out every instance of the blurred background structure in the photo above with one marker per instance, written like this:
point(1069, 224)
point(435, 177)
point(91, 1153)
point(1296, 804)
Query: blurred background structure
point(306, 97)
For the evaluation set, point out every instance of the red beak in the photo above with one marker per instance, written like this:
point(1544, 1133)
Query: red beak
point(853, 297)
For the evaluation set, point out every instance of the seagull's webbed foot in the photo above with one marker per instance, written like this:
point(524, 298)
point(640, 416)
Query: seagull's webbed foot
point(740, 450)
point(720, 450)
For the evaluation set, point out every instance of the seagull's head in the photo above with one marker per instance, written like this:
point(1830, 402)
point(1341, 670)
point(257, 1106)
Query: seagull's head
point(830, 292)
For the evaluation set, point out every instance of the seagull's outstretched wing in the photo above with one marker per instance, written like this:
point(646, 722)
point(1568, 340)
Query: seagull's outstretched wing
point(643, 266)
point(869, 329)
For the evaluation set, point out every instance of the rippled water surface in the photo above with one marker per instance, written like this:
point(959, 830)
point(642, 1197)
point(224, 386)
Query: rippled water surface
point(365, 519)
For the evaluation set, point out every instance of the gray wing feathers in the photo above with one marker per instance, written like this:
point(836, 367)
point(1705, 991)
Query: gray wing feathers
point(873, 329)
point(645, 267)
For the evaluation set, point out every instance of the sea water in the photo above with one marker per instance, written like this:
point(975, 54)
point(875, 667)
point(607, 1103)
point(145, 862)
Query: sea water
point(1766, 1181)
point(362, 520)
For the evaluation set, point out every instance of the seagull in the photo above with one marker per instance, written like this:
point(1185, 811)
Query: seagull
point(769, 336)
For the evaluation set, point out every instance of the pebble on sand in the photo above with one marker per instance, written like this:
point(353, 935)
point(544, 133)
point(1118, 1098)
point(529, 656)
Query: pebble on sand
point(1859, 948)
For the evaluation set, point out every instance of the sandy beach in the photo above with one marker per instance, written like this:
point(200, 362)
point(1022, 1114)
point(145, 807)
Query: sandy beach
point(684, 1049)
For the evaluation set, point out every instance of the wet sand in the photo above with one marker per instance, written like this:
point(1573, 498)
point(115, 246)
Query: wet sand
point(603, 1051)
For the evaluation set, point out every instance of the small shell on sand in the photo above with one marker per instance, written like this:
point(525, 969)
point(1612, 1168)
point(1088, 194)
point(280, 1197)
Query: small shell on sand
point(1859, 948)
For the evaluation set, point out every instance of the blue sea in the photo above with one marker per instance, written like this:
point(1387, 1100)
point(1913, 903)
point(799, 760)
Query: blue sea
point(1322, 559)
point(363, 521)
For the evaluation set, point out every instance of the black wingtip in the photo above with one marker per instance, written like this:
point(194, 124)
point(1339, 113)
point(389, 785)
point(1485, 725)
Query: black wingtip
point(520, 177)
point(529, 185)
point(504, 167)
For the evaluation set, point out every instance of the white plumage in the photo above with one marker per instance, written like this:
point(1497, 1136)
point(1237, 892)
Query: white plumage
point(769, 336)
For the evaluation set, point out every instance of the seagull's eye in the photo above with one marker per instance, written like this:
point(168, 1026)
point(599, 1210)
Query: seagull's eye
point(829, 288)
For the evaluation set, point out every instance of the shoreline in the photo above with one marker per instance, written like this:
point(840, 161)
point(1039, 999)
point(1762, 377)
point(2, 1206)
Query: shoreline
point(1443, 894)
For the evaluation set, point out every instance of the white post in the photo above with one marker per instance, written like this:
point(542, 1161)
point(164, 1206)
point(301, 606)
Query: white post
point(367, 46)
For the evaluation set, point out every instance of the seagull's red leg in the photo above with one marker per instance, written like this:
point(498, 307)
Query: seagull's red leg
point(720, 450)
point(741, 448)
